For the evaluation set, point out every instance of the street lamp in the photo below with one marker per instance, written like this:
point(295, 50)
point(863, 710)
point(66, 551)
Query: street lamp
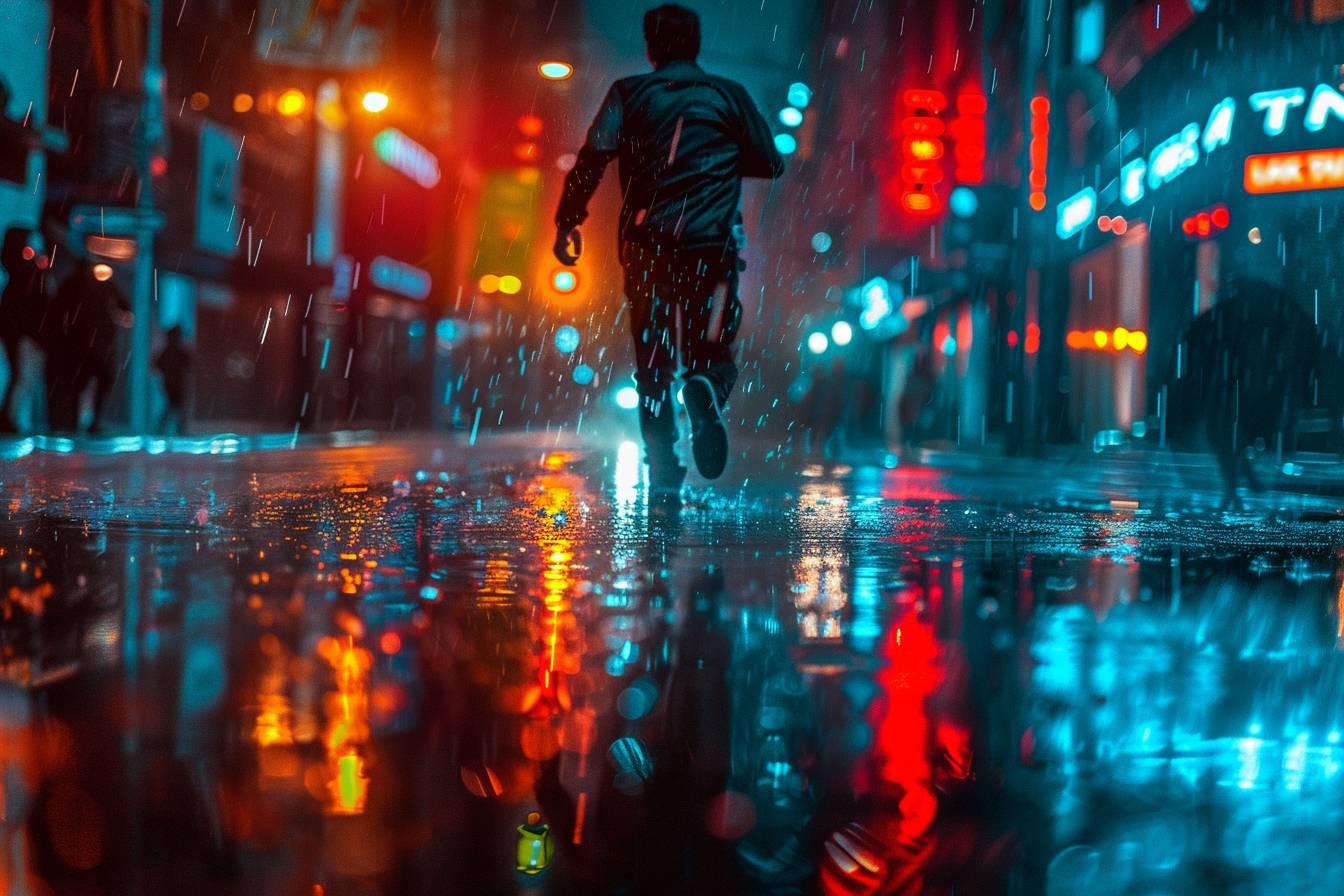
point(375, 101)
point(555, 70)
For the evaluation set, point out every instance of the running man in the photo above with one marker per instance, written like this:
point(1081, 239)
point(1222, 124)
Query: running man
point(685, 139)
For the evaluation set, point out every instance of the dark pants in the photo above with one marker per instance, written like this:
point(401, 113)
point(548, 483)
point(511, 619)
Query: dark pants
point(683, 307)
point(67, 377)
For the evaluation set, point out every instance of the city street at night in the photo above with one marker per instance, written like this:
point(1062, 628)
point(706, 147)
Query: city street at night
point(727, 447)
point(357, 670)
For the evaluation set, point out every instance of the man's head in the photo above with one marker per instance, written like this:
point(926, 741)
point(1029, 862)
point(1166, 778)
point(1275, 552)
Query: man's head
point(672, 34)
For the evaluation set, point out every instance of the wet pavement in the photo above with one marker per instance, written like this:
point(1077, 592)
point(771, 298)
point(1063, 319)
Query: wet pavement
point(356, 670)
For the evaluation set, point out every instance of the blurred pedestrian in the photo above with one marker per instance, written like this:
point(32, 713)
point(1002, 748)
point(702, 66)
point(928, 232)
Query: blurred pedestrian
point(21, 306)
point(685, 139)
point(174, 364)
point(90, 310)
point(1246, 371)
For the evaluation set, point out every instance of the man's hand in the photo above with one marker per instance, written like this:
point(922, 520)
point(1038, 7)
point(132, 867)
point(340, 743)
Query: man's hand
point(563, 239)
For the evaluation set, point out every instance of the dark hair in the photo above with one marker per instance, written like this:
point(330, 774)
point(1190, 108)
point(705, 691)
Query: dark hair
point(672, 33)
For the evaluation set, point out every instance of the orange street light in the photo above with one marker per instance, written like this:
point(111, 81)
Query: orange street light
point(375, 101)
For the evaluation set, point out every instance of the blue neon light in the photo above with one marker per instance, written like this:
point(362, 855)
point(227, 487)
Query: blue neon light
point(1173, 155)
point(1218, 130)
point(1275, 104)
point(1131, 181)
point(1076, 212)
point(399, 277)
point(1325, 101)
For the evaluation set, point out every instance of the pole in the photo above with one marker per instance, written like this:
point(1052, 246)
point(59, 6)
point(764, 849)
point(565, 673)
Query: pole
point(142, 300)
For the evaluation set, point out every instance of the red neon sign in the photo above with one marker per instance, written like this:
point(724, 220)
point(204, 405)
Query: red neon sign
point(1038, 151)
point(1285, 172)
point(968, 130)
point(921, 151)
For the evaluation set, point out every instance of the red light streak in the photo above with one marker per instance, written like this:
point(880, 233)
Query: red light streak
point(1038, 151)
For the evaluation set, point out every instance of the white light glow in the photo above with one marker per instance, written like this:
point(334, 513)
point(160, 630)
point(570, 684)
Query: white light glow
point(627, 398)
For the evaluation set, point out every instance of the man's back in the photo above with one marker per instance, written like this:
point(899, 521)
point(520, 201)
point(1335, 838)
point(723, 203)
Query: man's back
point(684, 139)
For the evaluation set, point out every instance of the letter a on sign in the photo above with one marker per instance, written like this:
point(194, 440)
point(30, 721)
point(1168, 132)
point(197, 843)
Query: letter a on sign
point(1219, 128)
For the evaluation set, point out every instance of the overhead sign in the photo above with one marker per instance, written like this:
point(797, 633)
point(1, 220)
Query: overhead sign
point(1286, 172)
point(218, 218)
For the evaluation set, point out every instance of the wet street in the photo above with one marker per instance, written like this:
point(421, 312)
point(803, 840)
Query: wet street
point(351, 670)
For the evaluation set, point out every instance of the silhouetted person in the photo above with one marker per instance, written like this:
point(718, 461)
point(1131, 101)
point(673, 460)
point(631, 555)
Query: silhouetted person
point(1249, 366)
point(20, 307)
point(174, 364)
point(90, 309)
point(685, 139)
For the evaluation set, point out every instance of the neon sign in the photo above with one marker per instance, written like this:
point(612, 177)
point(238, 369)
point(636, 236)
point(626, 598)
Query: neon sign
point(1325, 101)
point(1038, 151)
point(1076, 212)
point(968, 130)
point(1218, 131)
point(1179, 152)
point(399, 277)
point(405, 155)
point(1173, 155)
point(1131, 181)
point(1275, 104)
point(1286, 172)
point(921, 150)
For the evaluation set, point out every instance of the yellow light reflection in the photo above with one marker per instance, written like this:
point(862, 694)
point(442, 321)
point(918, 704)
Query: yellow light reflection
point(819, 571)
point(347, 710)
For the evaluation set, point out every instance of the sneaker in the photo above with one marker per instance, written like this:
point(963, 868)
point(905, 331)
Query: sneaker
point(709, 437)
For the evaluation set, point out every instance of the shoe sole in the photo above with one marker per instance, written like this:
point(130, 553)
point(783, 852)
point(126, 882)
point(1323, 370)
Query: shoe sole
point(709, 437)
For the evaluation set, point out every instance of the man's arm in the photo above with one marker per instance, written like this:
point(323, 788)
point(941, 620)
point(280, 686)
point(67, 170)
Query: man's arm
point(759, 158)
point(600, 148)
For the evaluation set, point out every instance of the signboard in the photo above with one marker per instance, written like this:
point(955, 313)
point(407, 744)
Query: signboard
point(218, 218)
point(1316, 169)
point(1286, 172)
point(399, 277)
point(405, 155)
point(114, 221)
point(1076, 212)
point(509, 212)
point(320, 33)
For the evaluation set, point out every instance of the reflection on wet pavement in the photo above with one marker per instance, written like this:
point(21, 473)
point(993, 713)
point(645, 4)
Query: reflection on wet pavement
point(358, 671)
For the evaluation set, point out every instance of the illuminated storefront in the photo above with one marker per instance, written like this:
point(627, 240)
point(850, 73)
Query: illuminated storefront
point(1226, 160)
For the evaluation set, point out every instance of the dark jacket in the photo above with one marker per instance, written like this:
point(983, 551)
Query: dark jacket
point(685, 140)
